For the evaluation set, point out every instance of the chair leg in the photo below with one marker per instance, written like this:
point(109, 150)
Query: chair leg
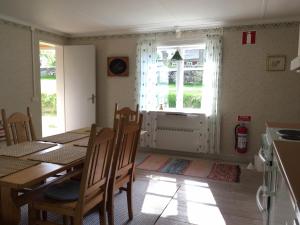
point(72, 220)
point(78, 220)
point(129, 199)
point(110, 210)
point(65, 220)
point(33, 214)
point(102, 214)
point(120, 190)
point(133, 173)
point(44, 215)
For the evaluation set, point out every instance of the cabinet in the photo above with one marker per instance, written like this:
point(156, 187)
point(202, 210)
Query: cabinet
point(282, 211)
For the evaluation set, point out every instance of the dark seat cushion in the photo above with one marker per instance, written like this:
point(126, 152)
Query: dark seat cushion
point(65, 191)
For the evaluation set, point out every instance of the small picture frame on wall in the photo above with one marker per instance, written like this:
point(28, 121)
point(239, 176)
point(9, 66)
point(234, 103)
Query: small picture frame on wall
point(118, 66)
point(276, 63)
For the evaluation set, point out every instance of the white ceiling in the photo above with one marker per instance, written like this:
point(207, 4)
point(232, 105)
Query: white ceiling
point(86, 17)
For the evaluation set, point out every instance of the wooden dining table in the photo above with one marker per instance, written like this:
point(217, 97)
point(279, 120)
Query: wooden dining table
point(17, 189)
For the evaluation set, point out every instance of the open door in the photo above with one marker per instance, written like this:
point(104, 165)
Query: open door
point(52, 88)
point(80, 86)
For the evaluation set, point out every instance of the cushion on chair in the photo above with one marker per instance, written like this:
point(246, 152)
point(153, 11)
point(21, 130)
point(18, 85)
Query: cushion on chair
point(65, 191)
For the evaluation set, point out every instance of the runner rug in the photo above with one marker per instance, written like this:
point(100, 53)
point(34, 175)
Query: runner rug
point(197, 168)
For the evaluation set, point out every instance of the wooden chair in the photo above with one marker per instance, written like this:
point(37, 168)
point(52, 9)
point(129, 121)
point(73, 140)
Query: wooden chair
point(92, 190)
point(126, 113)
point(18, 127)
point(122, 173)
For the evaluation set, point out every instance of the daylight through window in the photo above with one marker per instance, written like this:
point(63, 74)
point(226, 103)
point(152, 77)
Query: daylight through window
point(180, 82)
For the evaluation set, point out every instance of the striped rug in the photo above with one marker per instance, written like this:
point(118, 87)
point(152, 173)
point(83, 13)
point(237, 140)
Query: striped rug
point(196, 168)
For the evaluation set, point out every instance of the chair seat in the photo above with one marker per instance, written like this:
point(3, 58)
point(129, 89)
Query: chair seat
point(65, 191)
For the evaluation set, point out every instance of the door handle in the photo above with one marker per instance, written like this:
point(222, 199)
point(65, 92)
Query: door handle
point(93, 97)
point(260, 192)
point(261, 155)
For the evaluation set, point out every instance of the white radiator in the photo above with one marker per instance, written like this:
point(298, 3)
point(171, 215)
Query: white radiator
point(180, 132)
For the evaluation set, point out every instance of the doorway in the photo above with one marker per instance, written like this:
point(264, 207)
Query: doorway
point(51, 80)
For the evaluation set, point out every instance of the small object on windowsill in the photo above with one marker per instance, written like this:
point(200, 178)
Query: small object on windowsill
point(161, 107)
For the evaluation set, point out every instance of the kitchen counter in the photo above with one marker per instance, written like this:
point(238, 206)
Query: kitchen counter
point(271, 124)
point(288, 155)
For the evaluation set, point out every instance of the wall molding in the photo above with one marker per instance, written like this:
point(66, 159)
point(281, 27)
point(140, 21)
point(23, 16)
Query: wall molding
point(213, 30)
point(263, 26)
point(27, 26)
point(158, 34)
point(14, 24)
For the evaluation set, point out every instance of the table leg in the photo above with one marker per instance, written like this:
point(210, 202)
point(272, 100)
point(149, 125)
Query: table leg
point(10, 213)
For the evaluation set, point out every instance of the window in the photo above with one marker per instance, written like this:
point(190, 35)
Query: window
point(180, 82)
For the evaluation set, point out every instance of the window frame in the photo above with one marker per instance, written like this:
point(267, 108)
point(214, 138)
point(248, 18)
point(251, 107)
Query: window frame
point(180, 69)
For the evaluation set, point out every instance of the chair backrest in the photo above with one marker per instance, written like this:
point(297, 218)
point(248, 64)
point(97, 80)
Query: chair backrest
point(96, 171)
point(126, 113)
point(126, 147)
point(18, 127)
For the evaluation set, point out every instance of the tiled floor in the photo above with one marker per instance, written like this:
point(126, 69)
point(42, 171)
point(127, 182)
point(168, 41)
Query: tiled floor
point(165, 199)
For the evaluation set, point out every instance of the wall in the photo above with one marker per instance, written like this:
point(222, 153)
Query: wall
point(247, 88)
point(16, 69)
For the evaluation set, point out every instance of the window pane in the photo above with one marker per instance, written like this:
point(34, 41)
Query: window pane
point(167, 88)
point(193, 58)
point(172, 89)
point(189, 72)
point(192, 88)
point(167, 71)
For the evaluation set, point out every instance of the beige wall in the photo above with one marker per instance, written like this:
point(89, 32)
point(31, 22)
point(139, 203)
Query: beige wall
point(247, 88)
point(16, 69)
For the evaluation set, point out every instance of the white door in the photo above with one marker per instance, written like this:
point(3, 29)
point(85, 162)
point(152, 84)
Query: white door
point(80, 86)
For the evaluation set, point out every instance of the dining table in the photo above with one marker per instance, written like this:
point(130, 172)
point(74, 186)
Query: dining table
point(20, 187)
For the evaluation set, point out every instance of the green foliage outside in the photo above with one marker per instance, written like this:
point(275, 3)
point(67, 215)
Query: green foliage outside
point(48, 104)
point(48, 77)
point(49, 56)
point(192, 94)
point(172, 100)
point(191, 101)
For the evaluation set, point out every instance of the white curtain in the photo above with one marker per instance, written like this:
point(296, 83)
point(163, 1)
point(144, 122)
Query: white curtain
point(146, 76)
point(147, 90)
point(211, 92)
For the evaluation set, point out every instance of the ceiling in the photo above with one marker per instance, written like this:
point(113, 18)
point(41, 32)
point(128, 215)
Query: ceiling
point(90, 17)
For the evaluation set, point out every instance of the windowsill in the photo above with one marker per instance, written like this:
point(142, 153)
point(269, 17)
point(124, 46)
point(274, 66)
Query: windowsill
point(183, 112)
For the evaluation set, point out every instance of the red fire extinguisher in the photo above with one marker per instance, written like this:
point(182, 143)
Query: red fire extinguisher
point(241, 133)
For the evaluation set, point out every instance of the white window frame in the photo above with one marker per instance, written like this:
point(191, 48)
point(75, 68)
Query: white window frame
point(180, 77)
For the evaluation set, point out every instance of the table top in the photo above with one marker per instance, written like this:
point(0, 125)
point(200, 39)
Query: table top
point(33, 175)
